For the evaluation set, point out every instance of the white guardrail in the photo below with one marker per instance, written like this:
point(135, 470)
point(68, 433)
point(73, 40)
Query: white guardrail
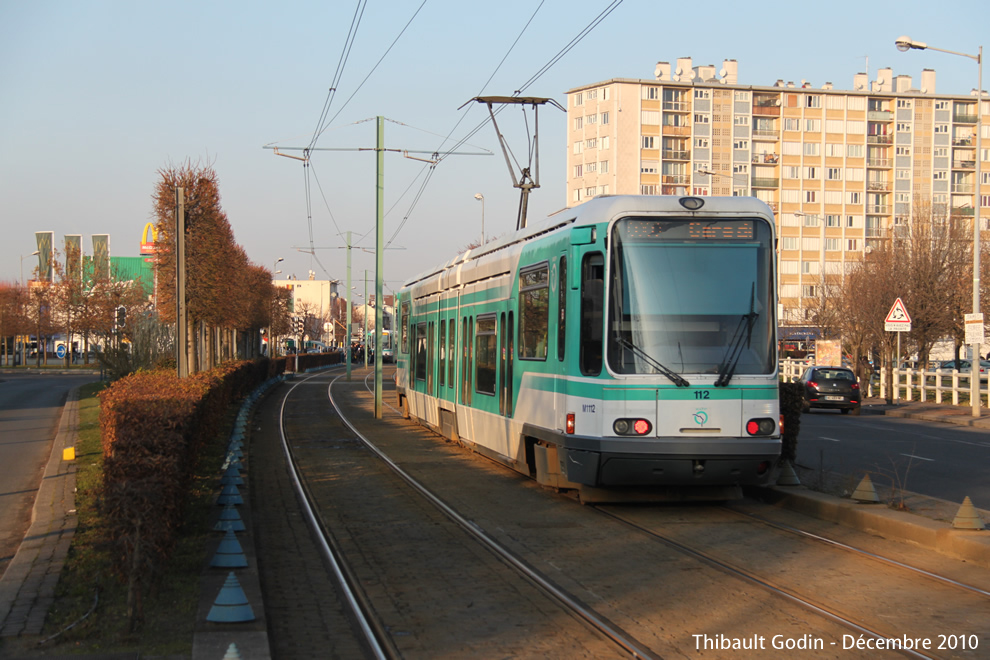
point(938, 385)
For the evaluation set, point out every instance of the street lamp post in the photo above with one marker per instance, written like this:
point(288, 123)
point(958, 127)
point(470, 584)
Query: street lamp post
point(904, 44)
point(33, 254)
point(481, 198)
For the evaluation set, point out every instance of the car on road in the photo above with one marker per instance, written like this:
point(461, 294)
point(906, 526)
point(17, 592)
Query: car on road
point(965, 367)
point(831, 387)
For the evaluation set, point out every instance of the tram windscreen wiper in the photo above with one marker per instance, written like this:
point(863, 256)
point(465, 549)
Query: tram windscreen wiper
point(744, 333)
point(676, 378)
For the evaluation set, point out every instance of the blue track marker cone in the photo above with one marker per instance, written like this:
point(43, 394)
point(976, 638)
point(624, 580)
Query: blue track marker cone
point(231, 605)
point(229, 520)
point(229, 553)
point(229, 496)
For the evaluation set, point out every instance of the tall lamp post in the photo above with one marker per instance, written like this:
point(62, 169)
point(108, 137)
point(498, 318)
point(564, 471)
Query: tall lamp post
point(904, 44)
point(33, 254)
point(481, 198)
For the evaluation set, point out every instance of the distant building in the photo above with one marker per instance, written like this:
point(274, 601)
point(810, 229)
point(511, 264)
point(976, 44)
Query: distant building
point(840, 169)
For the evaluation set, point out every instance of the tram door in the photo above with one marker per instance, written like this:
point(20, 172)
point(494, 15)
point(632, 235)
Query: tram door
point(559, 290)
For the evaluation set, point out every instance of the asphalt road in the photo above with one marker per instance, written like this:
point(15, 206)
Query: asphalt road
point(939, 460)
point(30, 410)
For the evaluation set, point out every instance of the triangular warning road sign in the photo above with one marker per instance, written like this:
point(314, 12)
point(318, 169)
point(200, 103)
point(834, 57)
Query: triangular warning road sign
point(898, 313)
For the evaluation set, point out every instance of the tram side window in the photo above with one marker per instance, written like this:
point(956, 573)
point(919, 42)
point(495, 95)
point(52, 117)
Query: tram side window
point(404, 327)
point(561, 307)
point(592, 304)
point(534, 312)
point(421, 351)
point(485, 355)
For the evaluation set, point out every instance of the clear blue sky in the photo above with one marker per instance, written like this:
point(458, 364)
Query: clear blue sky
point(96, 97)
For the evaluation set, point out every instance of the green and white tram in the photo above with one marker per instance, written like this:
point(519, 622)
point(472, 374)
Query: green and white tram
point(626, 342)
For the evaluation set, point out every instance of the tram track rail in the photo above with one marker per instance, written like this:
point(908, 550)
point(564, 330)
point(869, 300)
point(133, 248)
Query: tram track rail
point(374, 632)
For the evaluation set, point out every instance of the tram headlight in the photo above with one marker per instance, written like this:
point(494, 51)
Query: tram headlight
point(761, 426)
point(627, 426)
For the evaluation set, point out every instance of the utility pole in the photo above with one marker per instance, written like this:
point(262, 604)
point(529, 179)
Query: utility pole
point(379, 263)
point(350, 303)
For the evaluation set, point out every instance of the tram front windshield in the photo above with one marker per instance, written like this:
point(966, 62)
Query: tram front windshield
point(694, 295)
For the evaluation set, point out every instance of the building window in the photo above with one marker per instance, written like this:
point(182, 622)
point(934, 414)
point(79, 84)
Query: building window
point(741, 120)
point(651, 93)
point(904, 127)
point(651, 117)
point(906, 151)
point(701, 118)
point(604, 117)
point(833, 221)
point(579, 99)
point(649, 142)
point(852, 244)
point(835, 102)
point(855, 127)
point(813, 125)
point(592, 119)
point(834, 174)
point(790, 243)
point(592, 94)
point(648, 189)
point(854, 151)
point(792, 149)
point(603, 167)
point(702, 93)
point(832, 244)
point(810, 196)
point(941, 128)
point(534, 311)
point(833, 197)
point(740, 144)
point(791, 171)
point(701, 143)
point(579, 147)
point(810, 219)
point(812, 172)
point(589, 192)
point(741, 96)
point(809, 291)
point(578, 171)
point(578, 123)
point(605, 140)
point(835, 150)
point(591, 143)
point(812, 149)
point(792, 124)
point(812, 101)
point(591, 167)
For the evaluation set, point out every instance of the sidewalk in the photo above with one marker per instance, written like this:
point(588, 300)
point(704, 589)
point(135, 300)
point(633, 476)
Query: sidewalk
point(930, 412)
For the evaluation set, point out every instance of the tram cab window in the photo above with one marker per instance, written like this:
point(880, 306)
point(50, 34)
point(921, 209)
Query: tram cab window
point(534, 312)
point(592, 305)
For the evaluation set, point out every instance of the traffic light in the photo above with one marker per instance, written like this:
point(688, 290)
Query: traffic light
point(298, 324)
point(121, 317)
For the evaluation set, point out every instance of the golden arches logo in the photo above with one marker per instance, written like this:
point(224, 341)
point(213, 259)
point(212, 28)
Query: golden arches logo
point(148, 238)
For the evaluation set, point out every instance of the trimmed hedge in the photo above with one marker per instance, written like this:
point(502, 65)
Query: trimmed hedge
point(153, 427)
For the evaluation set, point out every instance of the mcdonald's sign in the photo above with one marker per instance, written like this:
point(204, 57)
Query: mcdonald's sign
point(148, 238)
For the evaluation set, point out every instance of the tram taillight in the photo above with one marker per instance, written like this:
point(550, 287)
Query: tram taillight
point(569, 424)
point(632, 426)
point(762, 426)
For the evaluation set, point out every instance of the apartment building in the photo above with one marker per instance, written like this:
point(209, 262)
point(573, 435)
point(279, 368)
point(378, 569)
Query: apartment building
point(842, 169)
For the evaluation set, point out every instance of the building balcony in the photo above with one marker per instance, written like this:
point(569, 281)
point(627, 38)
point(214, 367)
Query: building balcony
point(765, 182)
point(674, 154)
point(878, 186)
point(765, 133)
point(675, 179)
point(964, 165)
point(879, 162)
point(963, 210)
point(962, 188)
point(964, 119)
point(683, 131)
point(765, 159)
point(880, 115)
point(874, 232)
point(878, 209)
point(766, 110)
point(962, 142)
point(879, 139)
point(677, 106)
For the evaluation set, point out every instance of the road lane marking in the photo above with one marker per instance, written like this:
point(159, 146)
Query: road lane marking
point(830, 439)
point(920, 458)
